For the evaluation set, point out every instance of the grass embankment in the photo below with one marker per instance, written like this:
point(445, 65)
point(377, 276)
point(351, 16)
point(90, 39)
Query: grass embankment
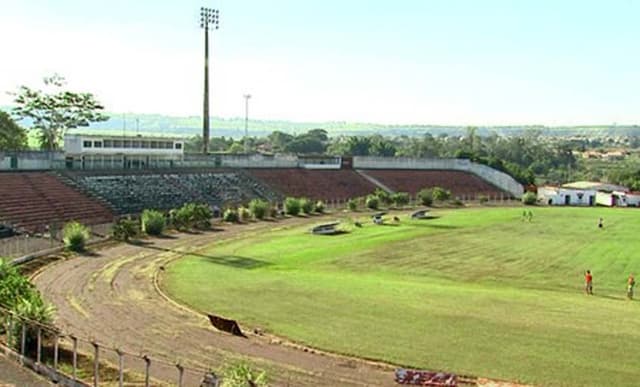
point(475, 292)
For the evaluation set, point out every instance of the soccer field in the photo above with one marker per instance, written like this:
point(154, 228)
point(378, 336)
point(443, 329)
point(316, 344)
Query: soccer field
point(475, 291)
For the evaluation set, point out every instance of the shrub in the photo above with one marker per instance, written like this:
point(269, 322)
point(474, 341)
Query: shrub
point(400, 199)
point(244, 215)
point(258, 208)
point(319, 207)
point(440, 194)
point(352, 204)
point(483, 199)
point(32, 308)
point(125, 229)
point(529, 198)
point(457, 202)
point(20, 296)
point(75, 236)
point(426, 197)
point(383, 196)
point(242, 375)
point(202, 215)
point(306, 205)
point(153, 222)
point(292, 206)
point(372, 202)
point(273, 212)
point(230, 215)
point(182, 218)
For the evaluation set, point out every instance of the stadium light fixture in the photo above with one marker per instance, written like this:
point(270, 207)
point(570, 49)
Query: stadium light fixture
point(209, 18)
point(246, 122)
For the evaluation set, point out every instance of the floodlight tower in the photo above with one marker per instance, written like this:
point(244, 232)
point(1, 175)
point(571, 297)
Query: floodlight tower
point(208, 17)
point(246, 122)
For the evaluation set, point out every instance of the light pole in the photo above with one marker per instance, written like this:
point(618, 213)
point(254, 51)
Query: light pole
point(208, 16)
point(246, 123)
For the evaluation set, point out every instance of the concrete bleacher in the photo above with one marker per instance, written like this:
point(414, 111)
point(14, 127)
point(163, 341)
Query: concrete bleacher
point(131, 192)
point(31, 201)
point(315, 184)
point(461, 184)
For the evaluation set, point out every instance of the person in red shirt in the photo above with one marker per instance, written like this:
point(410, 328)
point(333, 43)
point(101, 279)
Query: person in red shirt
point(588, 279)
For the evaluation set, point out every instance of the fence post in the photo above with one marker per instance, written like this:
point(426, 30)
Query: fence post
point(96, 364)
point(23, 340)
point(120, 367)
point(75, 355)
point(9, 328)
point(39, 350)
point(180, 374)
point(55, 351)
point(146, 370)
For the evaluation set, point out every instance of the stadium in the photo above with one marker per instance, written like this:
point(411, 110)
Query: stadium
point(399, 299)
point(429, 195)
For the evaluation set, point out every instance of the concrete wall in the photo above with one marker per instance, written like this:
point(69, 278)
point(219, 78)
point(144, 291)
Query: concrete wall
point(30, 160)
point(495, 177)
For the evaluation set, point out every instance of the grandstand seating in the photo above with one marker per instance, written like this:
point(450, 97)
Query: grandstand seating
point(412, 181)
point(33, 200)
point(325, 184)
point(133, 191)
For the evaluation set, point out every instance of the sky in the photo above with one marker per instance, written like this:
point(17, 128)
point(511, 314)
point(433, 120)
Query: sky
point(446, 62)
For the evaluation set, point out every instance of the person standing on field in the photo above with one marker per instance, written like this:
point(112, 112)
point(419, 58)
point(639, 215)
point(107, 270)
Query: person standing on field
point(631, 283)
point(588, 279)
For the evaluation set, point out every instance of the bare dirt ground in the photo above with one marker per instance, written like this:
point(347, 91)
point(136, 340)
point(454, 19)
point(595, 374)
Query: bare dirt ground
point(112, 298)
point(12, 374)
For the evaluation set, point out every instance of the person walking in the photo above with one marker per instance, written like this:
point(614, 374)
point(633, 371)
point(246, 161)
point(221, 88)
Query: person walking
point(588, 279)
point(631, 283)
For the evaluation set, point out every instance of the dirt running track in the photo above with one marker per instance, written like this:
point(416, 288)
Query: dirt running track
point(112, 299)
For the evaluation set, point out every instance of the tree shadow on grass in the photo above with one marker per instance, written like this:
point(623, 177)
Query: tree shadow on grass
point(225, 260)
point(436, 226)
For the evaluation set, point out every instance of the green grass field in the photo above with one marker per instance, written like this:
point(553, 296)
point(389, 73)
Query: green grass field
point(476, 292)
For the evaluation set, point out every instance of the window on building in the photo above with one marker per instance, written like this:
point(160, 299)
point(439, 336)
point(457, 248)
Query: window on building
point(87, 144)
point(108, 143)
point(178, 145)
point(145, 144)
point(117, 143)
point(154, 144)
point(135, 144)
point(126, 144)
point(97, 144)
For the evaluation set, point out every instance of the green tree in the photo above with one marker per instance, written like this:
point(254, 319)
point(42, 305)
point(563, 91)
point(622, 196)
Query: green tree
point(12, 136)
point(529, 198)
point(55, 111)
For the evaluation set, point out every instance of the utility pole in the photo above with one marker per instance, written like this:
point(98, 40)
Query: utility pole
point(246, 123)
point(207, 16)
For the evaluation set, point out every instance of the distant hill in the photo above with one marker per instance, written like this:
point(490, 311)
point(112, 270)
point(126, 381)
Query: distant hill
point(158, 124)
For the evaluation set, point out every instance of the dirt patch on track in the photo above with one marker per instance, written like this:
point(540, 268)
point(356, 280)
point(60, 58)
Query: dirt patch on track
point(112, 298)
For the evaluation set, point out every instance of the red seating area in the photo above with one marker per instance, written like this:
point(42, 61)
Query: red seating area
point(412, 181)
point(323, 184)
point(32, 200)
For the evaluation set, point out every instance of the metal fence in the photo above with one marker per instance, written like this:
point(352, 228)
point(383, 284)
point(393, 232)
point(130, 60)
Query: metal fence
point(75, 361)
point(26, 244)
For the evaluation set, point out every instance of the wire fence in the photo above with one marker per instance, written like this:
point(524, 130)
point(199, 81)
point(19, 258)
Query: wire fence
point(76, 361)
point(27, 243)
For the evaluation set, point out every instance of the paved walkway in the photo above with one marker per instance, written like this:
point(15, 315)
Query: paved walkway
point(12, 374)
